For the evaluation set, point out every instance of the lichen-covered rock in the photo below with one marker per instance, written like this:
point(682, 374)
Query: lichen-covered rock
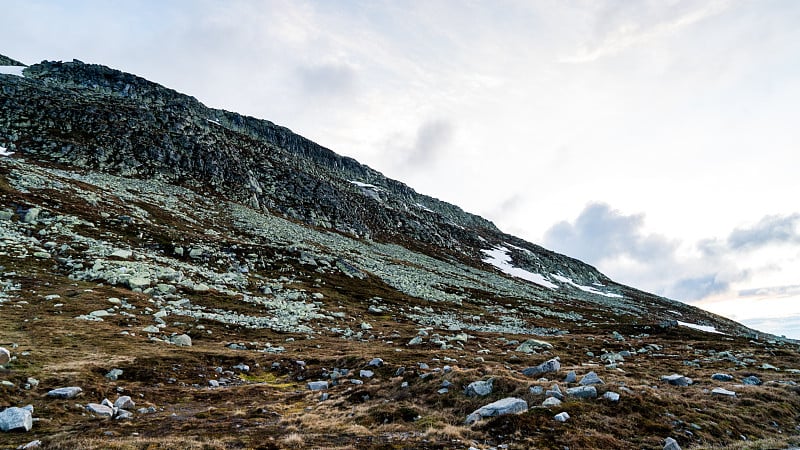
point(508, 405)
point(552, 365)
point(13, 418)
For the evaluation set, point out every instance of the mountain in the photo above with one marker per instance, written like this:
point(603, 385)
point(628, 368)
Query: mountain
point(249, 288)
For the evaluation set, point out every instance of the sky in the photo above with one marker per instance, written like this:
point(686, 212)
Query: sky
point(655, 140)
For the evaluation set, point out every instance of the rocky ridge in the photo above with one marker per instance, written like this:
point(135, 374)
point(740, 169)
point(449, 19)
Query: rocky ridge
point(204, 256)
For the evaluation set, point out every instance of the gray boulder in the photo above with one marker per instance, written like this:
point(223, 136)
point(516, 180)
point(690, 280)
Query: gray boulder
point(590, 378)
point(114, 374)
point(182, 340)
point(479, 388)
point(571, 377)
point(552, 365)
point(582, 392)
point(677, 380)
point(611, 396)
point(561, 417)
point(16, 419)
point(508, 405)
point(318, 385)
point(65, 392)
point(551, 401)
point(671, 444)
point(723, 391)
point(100, 410)
point(5, 356)
point(532, 345)
point(124, 402)
point(555, 391)
point(752, 381)
point(722, 377)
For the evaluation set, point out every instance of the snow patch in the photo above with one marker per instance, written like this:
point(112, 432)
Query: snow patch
point(421, 206)
point(214, 121)
point(589, 289)
point(12, 70)
point(5, 152)
point(364, 185)
point(706, 328)
point(499, 257)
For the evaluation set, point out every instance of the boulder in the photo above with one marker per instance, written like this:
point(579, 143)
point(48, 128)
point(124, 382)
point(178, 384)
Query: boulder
point(376, 362)
point(677, 380)
point(318, 385)
point(508, 405)
point(366, 373)
point(5, 356)
point(561, 417)
point(582, 392)
point(100, 410)
point(124, 402)
point(590, 378)
point(65, 392)
point(723, 391)
point(532, 345)
point(611, 396)
point(752, 381)
point(114, 374)
point(551, 401)
point(571, 377)
point(671, 444)
point(479, 388)
point(16, 419)
point(555, 391)
point(182, 340)
point(722, 377)
point(552, 365)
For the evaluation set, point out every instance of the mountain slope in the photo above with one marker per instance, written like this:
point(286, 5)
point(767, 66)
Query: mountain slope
point(146, 217)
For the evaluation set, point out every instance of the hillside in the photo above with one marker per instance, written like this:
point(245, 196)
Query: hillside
point(249, 288)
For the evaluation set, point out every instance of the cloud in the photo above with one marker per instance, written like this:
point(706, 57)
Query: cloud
point(601, 233)
point(431, 142)
point(697, 288)
point(769, 230)
point(623, 25)
point(328, 79)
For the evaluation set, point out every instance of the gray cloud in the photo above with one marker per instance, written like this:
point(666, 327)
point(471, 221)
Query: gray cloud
point(329, 79)
point(771, 291)
point(430, 143)
point(696, 288)
point(600, 233)
point(769, 230)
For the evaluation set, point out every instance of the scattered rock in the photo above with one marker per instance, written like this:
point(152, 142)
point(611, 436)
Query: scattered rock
point(677, 380)
point(722, 377)
point(723, 391)
point(552, 365)
point(571, 377)
point(376, 362)
point(752, 380)
point(65, 392)
point(5, 356)
point(551, 401)
point(100, 410)
point(317, 385)
point(532, 345)
point(611, 396)
point(31, 445)
point(114, 374)
point(590, 378)
point(182, 340)
point(479, 388)
point(417, 340)
point(561, 417)
point(124, 402)
point(555, 391)
point(13, 418)
point(366, 373)
point(582, 392)
point(508, 405)
point(536, 390)
point(671, 444)
point(121, 254)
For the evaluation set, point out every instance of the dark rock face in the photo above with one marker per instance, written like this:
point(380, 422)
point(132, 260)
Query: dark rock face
point(102, 120)
point(6, 61)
